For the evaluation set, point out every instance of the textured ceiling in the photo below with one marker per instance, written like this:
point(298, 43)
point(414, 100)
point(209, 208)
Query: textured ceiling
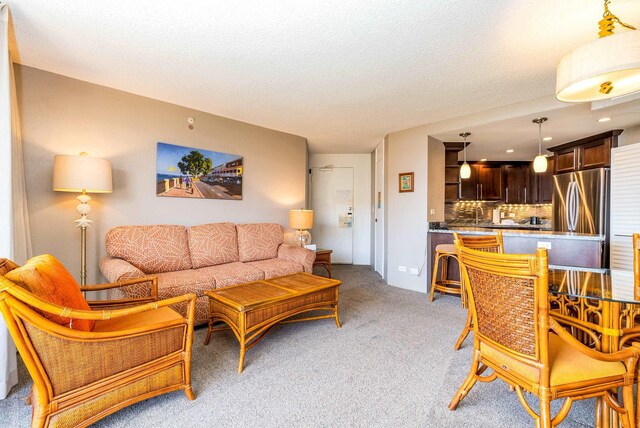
point(340, 73)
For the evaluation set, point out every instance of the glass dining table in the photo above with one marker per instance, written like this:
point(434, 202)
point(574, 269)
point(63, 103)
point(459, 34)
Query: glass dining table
point(600, 306)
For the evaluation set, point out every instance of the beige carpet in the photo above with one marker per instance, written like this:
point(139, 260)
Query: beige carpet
point(391, 365)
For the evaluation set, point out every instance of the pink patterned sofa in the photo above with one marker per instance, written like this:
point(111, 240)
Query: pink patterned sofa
point(199, 258)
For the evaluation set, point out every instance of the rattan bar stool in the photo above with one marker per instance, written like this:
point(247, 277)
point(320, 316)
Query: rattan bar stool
point(445, 285)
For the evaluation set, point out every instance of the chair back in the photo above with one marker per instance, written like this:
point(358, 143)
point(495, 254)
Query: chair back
point(636, 259)
point(489, 243)
point(508, 297)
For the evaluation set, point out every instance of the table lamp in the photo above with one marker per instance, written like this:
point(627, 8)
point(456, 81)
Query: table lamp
point(301, 220)
point(82, 174)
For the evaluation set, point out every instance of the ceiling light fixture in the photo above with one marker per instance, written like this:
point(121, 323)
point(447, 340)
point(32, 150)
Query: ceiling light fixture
point(604, 119)
point(547, 139)
point(510, 151)
point(465, 169)
point(605, 68)
point(483, 160)
point(540, 162)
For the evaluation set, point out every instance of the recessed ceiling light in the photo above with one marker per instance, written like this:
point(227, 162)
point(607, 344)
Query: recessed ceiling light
point(483, 160)
point(510, 151)
point(604, 119)
point(547, 139)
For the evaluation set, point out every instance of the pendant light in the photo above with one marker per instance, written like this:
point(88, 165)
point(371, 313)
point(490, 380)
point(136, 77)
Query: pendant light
point(465, 169)
point(540, 162)
point(605, 68)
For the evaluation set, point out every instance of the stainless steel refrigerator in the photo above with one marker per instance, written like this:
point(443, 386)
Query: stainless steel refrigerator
point(581, 204)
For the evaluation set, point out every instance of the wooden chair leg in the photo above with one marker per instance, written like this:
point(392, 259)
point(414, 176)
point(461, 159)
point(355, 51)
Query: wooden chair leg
point(627, 402)
point(468, 383)
point(434, 276)
point(465, 331)
point(545, 414)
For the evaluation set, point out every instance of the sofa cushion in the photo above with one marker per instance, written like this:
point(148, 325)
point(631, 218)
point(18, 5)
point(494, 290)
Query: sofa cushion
point(172, 284)
point(232, 274)
point(259, 241)
point(212, 244)
point(152, 249)
point(277, 267)
point(47, 278)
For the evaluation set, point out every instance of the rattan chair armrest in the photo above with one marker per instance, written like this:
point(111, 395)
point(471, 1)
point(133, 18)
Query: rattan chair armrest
point(110, 285)
point(34, 301)
point(624, 354)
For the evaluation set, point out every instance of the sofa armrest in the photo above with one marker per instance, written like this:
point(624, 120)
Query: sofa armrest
point(297, 254)
point(121, 271)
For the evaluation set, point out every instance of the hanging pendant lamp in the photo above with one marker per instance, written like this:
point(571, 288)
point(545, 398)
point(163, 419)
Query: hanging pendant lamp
point(605, 68)
point(540, 161)
point(465, 169)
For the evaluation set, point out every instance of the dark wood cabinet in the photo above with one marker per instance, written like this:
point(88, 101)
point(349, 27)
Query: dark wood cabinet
point(517, 188)
point(489, 182)
point(586, 153)
point(542, 184)
point(469, 186)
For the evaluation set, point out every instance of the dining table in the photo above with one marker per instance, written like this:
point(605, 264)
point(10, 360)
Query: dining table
point(601, 308)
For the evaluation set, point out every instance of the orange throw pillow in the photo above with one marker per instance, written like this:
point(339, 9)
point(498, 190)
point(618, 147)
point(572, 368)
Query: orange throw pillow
point(48, 279)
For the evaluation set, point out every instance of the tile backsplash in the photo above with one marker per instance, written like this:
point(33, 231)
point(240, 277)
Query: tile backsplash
point(466, 210)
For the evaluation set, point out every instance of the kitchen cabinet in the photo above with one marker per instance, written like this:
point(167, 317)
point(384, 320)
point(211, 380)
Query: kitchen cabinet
point(542, 184)
point(517, 184)
point(484, 184)
point(586, 153)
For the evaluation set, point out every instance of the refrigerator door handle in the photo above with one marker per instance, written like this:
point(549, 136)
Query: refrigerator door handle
point(567, 207)
point(576, 205)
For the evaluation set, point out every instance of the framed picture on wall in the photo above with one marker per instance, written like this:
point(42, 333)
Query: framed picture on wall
point(405, 182)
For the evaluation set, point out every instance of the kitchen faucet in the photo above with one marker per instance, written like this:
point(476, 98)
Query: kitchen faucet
point(481, 209)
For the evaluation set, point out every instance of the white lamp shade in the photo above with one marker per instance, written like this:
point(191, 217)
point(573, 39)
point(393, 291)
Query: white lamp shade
point(465, 170)
point(614, 59)
point(540, 163)
point(81, 173)
point(301, 219)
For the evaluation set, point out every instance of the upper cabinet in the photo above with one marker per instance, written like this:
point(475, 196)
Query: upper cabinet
point(542, 184)
point(517, 188)
point(586, 153)
point(484, 184)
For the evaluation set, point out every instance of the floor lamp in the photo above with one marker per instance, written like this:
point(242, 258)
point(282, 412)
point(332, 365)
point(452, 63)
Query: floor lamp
point(82, 174)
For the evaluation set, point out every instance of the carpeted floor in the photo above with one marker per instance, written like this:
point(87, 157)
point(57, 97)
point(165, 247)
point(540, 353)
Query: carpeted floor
point(391, 365)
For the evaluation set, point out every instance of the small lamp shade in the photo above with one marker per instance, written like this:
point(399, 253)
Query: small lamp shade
point(465, 171)
point(81, 173)
point(301, 219)
point(540, 163)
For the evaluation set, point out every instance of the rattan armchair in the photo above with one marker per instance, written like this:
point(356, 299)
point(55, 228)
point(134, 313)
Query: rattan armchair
point(515, 337)
point(489, 243)
point(79, 377)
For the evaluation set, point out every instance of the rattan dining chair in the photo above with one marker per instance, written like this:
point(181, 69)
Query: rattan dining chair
point(489, 243)
point(130, 354)
point(516, 338)
point(636, 259)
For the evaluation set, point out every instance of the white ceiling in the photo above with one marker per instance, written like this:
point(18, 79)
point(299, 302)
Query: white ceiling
point(342, 73)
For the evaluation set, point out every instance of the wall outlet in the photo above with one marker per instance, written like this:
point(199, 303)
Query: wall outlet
point(544, 244)
point(432, 211)
point(402, 268)
point(413, 271)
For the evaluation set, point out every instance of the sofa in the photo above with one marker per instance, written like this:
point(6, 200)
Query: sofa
point(199, 258)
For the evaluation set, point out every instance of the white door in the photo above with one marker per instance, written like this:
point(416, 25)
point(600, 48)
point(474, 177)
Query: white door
point(379, 210)
point(332, 204)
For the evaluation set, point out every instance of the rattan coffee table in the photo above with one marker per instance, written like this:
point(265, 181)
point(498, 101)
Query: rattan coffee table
point(252, 309)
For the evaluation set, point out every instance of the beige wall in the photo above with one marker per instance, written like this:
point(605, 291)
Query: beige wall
point(61, 115)
point(436, 180)
point(406, 213)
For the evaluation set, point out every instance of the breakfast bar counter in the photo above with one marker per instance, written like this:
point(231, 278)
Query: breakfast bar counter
point(565, 249)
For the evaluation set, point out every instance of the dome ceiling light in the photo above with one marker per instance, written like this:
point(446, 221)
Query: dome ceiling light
point(605, 68)
point(540, 162)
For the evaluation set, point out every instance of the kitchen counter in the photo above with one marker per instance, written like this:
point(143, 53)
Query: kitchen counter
point(514, 226)
point(543, 234)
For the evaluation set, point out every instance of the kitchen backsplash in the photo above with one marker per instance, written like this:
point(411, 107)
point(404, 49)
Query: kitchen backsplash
point(462, 211)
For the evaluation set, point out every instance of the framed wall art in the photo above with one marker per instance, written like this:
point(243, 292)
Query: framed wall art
point(405, 182)
point(185, 172)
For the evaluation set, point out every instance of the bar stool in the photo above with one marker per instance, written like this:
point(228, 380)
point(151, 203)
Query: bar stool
point(445, 285)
